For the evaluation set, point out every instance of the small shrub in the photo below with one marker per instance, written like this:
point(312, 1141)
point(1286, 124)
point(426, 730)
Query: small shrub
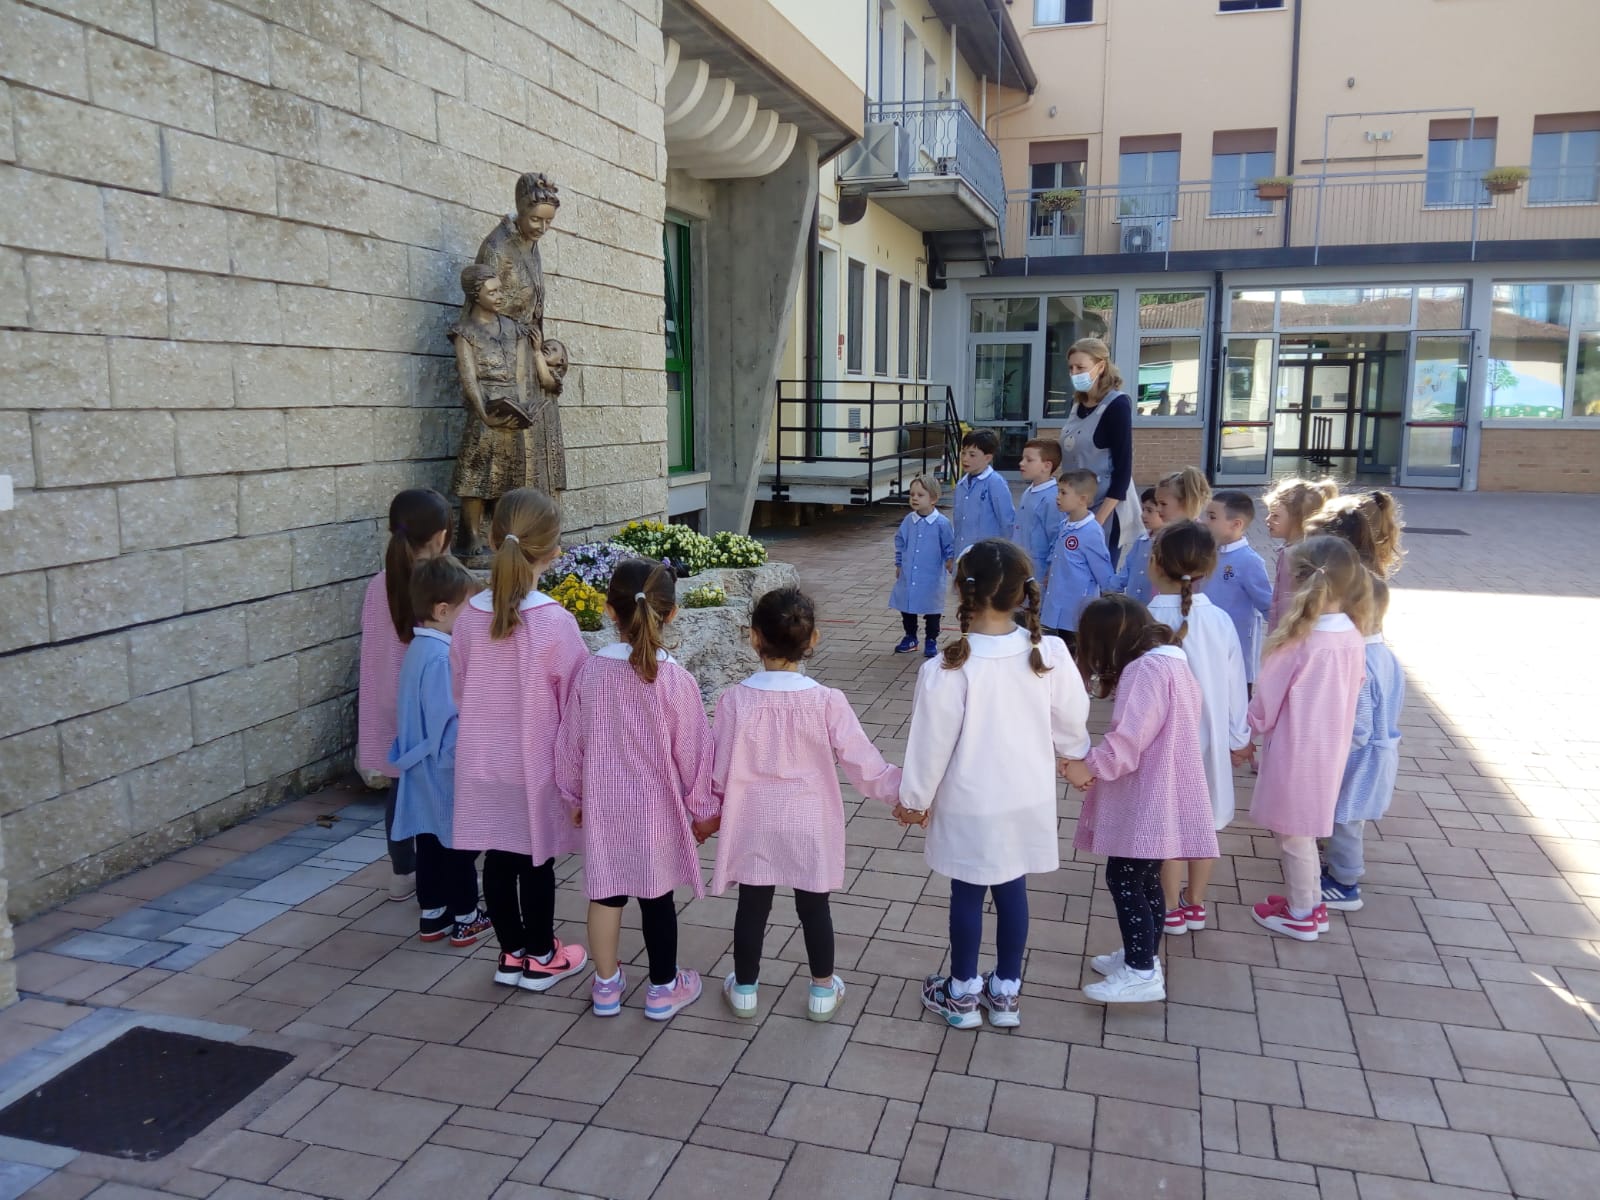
point(737, 550)
point(707, 595)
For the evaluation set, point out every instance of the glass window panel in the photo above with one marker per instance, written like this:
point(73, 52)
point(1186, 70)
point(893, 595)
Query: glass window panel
point(1000, 379)
point(1439, 380)
point(1233, 182)
point(1250, 312)
point(1566, 167)
point(1228, 6)
point(880, 324)
point(1528, 342)
point(1586, 387)
point(1068, 318)
point(904, 332)
point(1455, 171)
point(924, 314)
point(1173, 310)
point(1442, 307)
point(1247, 394)
point(1321, 308)
point(1586, 304)
point(1170, 370)
point(1062, 12)
point(1005, 314)
point(1147, 184)
point(854, 305)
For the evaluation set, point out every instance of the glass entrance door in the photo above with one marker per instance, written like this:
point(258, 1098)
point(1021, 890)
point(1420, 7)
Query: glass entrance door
point(1249, 383)
point(1435, 432)
point(1002, 396)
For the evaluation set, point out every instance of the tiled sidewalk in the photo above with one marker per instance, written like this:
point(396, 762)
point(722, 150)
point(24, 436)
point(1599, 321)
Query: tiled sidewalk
point(1441, 1044)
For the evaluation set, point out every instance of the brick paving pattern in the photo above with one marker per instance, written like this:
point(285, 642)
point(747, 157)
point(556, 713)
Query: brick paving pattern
point(1442, 1043)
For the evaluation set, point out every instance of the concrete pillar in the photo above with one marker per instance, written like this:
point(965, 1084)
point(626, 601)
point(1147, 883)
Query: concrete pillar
point(755, 250)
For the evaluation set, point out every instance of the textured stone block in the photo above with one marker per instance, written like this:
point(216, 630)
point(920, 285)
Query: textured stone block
point(281, 377)
point(166, 233)
point(144, 730)
point(43, 686)
point(325, 317)
point(289, 743)
point(398, 101)
point(286, 500)
point(178, 512)
point(209, 308)
point(135, 79)
point(24, 194)
point(47, 836)
point(372, 378)
point(243, 569)
point(77, 296)
point(185, 783)
point(319, 196)
point(430, 60)
point(364, 264)
point(33, 768)
point(131, 18)
point(359, 27)
point(347, 142)
point(221, 173)
point(115, 592)
point(268, 248)
point(43, 51)
point(330, 553)
point(328, 671)
point(469, 129)
point(76, 448)
point(323, 437)
point(364, 493)
point(24, 609)
point(48, 529)
point(295, 621)
point(13, 282)
point(183, 650)
point(16, 448)
point(212, 443)
point(53, 370)
point(215, 35)
point(147, 373)
point(242, 698)
point(311, 68)
point(265, 118)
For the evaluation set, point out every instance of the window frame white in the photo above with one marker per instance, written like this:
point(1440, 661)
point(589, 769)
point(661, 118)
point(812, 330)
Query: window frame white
point(1563, 168)
point(1061, 22)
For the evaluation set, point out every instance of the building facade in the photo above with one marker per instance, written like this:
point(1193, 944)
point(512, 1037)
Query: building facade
point(1384, 318)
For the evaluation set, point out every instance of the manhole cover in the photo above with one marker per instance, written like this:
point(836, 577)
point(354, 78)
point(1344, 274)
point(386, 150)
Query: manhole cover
point(142, 1095)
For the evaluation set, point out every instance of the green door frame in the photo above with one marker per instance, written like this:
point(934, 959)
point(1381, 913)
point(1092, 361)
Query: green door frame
point(676, 243)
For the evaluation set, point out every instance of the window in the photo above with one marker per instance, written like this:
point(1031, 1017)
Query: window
point(1228, 6)
point(1063, 12)
point(1535, 331)
point(880, 325)
point(1147, 177)
point(1005, 314)
point(1566, 159)
point(855, 299)
point(924, 314)
point(1068, 318)
point(1057, 166)
point(1238, 159)
point(1459, 152)
point(1171, 364)
point(675, 246)
point(904, 332)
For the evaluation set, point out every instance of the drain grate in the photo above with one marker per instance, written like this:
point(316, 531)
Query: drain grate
point(142, 1095)
point(1439, 532)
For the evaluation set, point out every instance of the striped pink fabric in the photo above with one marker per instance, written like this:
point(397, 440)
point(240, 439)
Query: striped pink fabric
point(1305, 704)
point(381, 655)
point(635, 757)
point(1282, 589)
point(1149, 798)
point(511, 695)
point(775, 779)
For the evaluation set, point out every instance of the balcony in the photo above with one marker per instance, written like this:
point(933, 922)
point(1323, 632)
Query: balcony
point(1402, 216)
point(930, 164)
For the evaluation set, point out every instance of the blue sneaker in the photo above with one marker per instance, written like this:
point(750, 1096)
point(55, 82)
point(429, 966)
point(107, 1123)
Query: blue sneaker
point(931, 649)
point(906, 644)
point(1336, 895)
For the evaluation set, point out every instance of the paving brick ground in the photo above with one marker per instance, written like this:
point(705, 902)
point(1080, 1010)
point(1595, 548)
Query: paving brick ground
point(1441, 1044)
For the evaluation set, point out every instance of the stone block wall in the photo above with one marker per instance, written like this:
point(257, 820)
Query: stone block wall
point(230, 234)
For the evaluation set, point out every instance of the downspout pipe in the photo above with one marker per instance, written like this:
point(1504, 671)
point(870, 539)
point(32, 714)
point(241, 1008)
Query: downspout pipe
point(1294, 117)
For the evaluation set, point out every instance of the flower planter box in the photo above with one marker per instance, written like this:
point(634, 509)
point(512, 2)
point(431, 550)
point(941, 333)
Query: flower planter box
point(1272, 191)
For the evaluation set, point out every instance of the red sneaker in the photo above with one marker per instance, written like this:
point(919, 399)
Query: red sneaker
point(1275, 915)
point(1177, 922)
point(1194, 915)
point(1320, 912)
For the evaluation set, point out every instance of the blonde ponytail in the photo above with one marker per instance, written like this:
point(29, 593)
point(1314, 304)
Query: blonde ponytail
point(525, 532)
point(1328, 577)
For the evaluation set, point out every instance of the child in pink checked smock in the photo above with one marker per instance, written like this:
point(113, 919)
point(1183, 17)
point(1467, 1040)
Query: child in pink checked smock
point(778, 735)
point(514, 657)
point(419, 529)
point(633, 764)
point(1305, 705)
point(1147, 798)
point(1290, 504)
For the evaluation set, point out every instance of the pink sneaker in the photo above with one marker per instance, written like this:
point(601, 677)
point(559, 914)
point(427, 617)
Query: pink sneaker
point(1274, 915)
point(607, 997)
point(1194, 916)
point(1321, 912)
point(541, 977)
point(663, 1000)
point(1177, 922)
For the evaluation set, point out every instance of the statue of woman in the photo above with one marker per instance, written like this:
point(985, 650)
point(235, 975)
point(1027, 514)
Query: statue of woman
point(503, 446)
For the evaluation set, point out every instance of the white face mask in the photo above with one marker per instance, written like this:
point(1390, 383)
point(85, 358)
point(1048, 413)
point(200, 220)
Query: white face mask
point(1082, 382)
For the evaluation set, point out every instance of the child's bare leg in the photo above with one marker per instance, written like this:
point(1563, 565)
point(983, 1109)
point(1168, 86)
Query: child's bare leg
point(1199, 878)
point(605, 928)
point(1172, 881)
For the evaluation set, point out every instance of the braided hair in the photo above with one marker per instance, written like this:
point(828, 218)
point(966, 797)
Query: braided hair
point(1185, 552)
point(995, 575)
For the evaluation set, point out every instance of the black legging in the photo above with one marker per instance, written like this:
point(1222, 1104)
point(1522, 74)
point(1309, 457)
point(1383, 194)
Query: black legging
point(446, 878)
point(521, 899)
point(750, 930)
point(1135, 886)
point(908, 622)
point(658, 918)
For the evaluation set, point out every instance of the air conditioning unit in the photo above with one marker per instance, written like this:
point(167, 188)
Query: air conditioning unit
point(1146, 235)
point(882, 156)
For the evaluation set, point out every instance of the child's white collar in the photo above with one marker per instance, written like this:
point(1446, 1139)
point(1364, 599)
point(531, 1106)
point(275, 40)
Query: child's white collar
point(1168, 652)
point(1374, 639)
point(423, 631)
point(1069, 523)
point(930, 518)
point(780, 681)
point(981, 475)
point(1049, 484)
point(484, 601)
point(623, 651)
point(1336, 622)
point(1241, 544)
point(998, 645)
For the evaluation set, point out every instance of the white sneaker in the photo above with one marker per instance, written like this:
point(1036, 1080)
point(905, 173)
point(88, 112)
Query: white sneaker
point(1125, 987)
point(1109, 964)
point(741, 1000)
point(822, 1001)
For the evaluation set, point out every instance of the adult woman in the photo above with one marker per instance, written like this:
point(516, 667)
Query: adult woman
point(1098, 437)
point(505, 444)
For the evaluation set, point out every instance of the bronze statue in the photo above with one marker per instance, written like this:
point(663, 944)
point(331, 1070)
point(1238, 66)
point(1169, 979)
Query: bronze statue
point(510, 372)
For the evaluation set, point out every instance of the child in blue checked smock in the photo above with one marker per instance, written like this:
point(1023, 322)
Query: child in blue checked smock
point(1240, 585)
point(1374, 763)
point(1080, 564)
point(1037, 516)
point(1133, 578)
point(983, 507)
point(924, 548)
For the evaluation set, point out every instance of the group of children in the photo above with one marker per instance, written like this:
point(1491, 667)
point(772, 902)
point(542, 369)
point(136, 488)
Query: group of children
point(506, 737)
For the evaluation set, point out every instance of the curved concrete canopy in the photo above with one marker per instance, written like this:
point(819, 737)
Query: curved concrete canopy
point(713, 130)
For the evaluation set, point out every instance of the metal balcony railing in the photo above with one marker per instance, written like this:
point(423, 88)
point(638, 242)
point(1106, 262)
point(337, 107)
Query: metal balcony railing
point(947, 140)
point(1356, 209)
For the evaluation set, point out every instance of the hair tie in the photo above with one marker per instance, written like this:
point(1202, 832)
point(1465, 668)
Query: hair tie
point(640, 596)
point(1030, 579)
point(972, 579)
point(1185, 579)
point(511, 537)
